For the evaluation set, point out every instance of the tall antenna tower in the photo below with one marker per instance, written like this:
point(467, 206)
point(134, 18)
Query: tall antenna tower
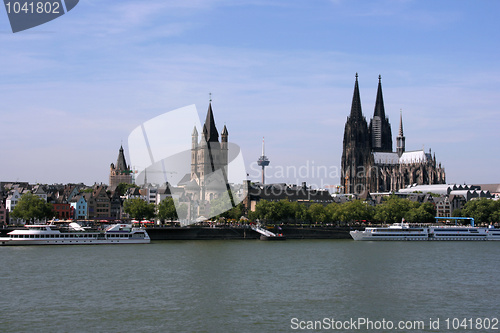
point(263, 161)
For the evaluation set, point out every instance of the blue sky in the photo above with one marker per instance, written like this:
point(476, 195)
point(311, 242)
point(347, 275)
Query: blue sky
point(73, 89)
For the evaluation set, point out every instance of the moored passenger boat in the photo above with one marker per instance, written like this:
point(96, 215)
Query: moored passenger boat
point(50, 234)
point(406, 231)
point(397, 231)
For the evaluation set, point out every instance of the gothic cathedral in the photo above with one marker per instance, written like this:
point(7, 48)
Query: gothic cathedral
point(368, 163)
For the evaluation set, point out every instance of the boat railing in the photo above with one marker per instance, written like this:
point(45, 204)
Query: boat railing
point(456, 219)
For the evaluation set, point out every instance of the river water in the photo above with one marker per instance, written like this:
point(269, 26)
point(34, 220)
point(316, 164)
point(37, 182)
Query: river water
point(250, 286)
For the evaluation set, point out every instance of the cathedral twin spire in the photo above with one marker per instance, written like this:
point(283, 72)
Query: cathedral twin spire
point(379, 131)
point(368, 162)
point(356, 112)
point(360, 140)
point(380, 128)
point(379, 103)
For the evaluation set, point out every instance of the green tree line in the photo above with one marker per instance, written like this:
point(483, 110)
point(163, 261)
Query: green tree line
point(30, 208)
point(139, 209)
point(391, 210)
point(482, 210)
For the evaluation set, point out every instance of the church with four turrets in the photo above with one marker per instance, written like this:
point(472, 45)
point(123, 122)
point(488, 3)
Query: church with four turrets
point(368, 163)
point(209, 161)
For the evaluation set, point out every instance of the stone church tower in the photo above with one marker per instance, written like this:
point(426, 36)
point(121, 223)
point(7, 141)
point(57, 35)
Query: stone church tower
point(209, 160)
point(368, 162)
point(119, 173)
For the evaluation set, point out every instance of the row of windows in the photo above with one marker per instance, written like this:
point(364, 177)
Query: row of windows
point(94, 236)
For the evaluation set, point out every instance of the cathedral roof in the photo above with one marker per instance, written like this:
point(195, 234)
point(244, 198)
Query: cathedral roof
point(408, 157)
point(209, 129)
point(417, 156)
point(436, 188)
point(385, 158)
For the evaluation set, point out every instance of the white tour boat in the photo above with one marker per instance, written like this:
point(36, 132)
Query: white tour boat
point(406, 231)
point(49, 234)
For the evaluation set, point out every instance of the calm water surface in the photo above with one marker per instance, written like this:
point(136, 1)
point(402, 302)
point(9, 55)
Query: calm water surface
point(244, 286)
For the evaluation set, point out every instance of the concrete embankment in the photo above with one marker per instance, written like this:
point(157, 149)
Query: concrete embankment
point(206, 233)
point(200, 233)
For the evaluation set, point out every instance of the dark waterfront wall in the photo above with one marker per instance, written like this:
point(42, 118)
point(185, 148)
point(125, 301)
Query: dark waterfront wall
point(320, 232)
point(200, 233)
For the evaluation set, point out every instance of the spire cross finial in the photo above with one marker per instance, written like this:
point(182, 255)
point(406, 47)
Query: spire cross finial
point(379, 78)
point(263, 146)
point(210, 97)
point(356, 76)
